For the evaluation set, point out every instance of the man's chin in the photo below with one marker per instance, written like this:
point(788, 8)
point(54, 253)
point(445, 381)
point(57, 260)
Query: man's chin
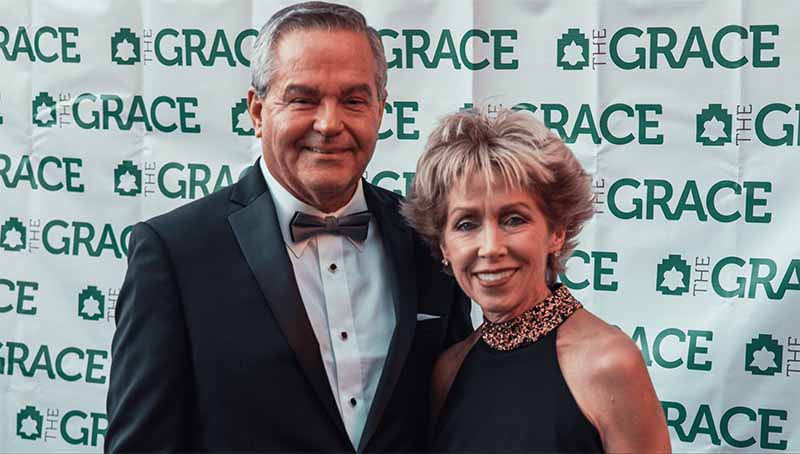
point(330, 189)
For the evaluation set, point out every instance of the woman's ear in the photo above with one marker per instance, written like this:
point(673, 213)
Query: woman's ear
point(443, 248)
point(557, 238)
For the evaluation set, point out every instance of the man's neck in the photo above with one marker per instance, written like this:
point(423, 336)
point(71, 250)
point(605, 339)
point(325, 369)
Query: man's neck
point(327, 202)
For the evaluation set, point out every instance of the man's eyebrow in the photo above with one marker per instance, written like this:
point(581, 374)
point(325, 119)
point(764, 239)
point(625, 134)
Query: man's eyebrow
point(304, 90)
point(359, 88)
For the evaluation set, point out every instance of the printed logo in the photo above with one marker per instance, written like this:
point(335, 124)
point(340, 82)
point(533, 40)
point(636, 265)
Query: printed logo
point(74, 427)
point(91, 303)
point(707, 425)
point(415, 48)
point(672, 277)
point(714, 126)
point(127, 179)
point(572, 50)
point(763, 356)
point(241, 124)
point(125, 47)
point(618, 123)
point(655, 198)
point(173, 180)
point(43, 44)
point(44, 110)
point(752, 278)
point(29, 423)
point(110, 111)
point(655, 47)
point(65, 237)
point(13, 235)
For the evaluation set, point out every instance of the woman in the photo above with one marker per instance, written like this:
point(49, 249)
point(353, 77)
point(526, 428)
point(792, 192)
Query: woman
point(501, 200)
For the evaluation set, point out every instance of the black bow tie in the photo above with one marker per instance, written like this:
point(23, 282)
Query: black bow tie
point(304, 226)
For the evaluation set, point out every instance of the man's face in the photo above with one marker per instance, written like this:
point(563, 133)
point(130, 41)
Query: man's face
point(319, 121)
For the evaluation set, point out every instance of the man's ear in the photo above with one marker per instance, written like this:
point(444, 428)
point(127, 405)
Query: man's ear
point(254, 106)
point(382, 97)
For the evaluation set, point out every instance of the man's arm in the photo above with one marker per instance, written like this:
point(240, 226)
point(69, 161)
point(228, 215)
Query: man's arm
point(150, 380)
point(460, 322)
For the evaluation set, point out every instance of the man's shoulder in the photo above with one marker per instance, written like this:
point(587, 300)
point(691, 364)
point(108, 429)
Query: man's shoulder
point(196, 219)
point(384, 196)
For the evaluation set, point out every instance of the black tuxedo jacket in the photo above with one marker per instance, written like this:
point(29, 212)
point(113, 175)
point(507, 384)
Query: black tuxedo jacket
point(214, 350)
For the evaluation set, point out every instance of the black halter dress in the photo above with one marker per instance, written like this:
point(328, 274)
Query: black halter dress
point(510, 395)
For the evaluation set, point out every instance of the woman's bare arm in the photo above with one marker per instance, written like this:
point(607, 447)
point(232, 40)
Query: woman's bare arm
point(606, 374)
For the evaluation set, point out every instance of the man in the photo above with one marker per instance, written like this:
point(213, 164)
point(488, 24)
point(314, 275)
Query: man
point(276, 314)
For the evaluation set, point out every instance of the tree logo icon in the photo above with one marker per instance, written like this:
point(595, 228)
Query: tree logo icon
point(572, 50)
point(29, 423)
point(125, 47)
point(91, 303)
point(13, 235)
point(763, 355)
point(44, 110)
point(672, 276)
point(127, 179)
point(714, 126)
point(240, 119)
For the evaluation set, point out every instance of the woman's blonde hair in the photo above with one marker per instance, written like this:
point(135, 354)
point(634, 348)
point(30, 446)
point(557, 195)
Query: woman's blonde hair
point(513, 147)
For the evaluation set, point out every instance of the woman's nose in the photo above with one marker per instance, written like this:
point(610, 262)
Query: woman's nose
point(492, 242)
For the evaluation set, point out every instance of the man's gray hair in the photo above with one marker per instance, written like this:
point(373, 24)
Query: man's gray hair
point(311, 16)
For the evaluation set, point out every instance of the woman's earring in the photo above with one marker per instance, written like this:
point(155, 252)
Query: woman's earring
point(445, 262)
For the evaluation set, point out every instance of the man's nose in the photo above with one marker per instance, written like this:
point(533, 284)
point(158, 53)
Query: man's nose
point(492, 242)
point(328, 121)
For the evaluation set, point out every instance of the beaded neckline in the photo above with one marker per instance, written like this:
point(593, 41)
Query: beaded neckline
point(533, 324)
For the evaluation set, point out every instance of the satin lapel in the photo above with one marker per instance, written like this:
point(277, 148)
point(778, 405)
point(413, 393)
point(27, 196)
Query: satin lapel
point(258, 234)
point(398, 243)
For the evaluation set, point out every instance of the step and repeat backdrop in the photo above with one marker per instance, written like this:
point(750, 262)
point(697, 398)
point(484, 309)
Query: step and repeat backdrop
point(686, 113)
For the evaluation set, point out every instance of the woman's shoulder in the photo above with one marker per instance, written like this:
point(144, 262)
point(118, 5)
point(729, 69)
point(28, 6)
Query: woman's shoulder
point(604, 350)
point(607, 376)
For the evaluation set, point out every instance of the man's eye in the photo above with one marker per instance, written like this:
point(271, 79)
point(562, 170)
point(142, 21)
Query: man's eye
point(355, 102)
point(300, 101)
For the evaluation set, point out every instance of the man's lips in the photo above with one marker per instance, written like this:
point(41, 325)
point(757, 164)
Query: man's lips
point(326, 150)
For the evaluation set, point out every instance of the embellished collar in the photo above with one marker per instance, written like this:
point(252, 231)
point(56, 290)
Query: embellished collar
point(533, 324)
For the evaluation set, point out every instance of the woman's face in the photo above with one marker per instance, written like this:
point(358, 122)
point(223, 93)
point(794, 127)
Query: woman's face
point(497, 244)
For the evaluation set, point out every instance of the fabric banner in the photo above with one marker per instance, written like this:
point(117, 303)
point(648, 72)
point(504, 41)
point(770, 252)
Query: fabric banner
point(686, 113)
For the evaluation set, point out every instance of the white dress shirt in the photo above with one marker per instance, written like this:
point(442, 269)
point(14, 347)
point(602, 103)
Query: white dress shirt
point(346, 288)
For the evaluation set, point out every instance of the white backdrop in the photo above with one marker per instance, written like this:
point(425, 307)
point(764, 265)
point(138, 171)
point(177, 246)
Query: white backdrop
point(685, 112)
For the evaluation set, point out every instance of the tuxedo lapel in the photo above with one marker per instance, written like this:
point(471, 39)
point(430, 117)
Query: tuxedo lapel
point(398, 243)
point(256, 229)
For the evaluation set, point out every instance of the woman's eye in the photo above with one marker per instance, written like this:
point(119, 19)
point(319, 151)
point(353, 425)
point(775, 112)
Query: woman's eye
point(465, 226)
point(515, 220)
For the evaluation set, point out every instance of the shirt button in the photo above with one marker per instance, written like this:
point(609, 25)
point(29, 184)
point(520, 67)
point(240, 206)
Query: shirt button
point(344, 335)
point(332, 268)
point(353, 402)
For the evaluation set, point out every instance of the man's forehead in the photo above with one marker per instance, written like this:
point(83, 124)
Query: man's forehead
point(343, 90)
point(307, 58)
point(307, 40)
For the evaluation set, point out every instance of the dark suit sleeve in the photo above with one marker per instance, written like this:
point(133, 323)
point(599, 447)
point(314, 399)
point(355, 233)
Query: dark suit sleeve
point(150, 379)
point(460, 322)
